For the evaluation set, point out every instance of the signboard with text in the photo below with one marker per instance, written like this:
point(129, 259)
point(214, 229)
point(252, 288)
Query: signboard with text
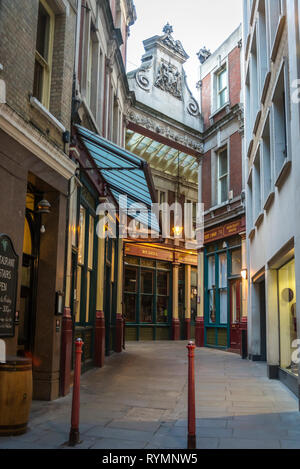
point(8, 286)
point(224, 231)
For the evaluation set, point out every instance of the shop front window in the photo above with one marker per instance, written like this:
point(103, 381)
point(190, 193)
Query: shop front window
point(147, 282)
point(194, 292)
point(146, 309)
point(130, 291)
point(130, 307)
point(162, 302)
point(287, 313)
point(146, 291)
point(223, 288)
point(212, 289)
point(236, 262)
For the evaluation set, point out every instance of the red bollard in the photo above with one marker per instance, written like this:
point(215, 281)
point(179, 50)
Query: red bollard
point(74, 432)
point(191, 444)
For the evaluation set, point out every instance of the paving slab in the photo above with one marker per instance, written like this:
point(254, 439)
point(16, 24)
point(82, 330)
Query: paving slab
point(139, 400)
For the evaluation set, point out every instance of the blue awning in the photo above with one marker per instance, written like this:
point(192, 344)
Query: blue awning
point(131, 178)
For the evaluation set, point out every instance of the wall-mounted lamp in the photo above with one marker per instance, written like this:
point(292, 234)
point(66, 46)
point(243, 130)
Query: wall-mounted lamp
point(177, 231)
point(59, 303)
point(244, 274)
point(43, 207)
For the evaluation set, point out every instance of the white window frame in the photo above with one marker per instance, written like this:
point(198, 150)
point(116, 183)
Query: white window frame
point(47, 64)
point(225, 88)
point(223, 176)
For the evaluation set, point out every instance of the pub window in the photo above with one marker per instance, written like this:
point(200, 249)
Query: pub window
point(194, 292)
point(163, 279)
point(147, 277)
point(223, 287)
point(90, 267)
point(81, 249)
point(212, 288)
point(130, 291)
point(43, 54)
point(236, 262)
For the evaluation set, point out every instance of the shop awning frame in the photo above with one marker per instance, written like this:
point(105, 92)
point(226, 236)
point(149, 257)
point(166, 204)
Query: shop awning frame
point(123, 173)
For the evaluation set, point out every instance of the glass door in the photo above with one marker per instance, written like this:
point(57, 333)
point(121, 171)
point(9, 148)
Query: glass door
point(216, 299)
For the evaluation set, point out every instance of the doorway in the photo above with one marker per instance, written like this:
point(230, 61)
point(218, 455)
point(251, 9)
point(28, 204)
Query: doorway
point(235, 313)
point(29, 276)
point(263, 321)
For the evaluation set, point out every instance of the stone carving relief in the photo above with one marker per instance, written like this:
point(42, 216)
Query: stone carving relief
point(203, 55)
point(169, 79)
point(164, 130)
point(170, 42)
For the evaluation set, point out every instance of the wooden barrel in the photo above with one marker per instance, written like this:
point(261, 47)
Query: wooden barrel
point(15, 395)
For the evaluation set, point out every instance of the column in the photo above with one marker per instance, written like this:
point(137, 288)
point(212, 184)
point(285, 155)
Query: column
point(199, 329)
point(175, 321)
point(187, 297)
point(119, 320)
point(244, 311)
point(100, 321)
point(67, 324)
point(272, 323)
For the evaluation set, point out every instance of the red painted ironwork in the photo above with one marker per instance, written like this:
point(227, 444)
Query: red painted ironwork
point(199, 332)
point(176, 329)
point(74, 432)
point(191, 443)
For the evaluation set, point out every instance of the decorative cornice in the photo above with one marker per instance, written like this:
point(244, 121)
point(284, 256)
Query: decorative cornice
point(26, 135)
point(158, 127)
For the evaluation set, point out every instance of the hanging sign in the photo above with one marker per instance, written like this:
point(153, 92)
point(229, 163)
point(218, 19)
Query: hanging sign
point(8, 286)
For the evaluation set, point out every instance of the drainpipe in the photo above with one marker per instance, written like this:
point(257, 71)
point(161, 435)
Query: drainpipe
point(77, 40)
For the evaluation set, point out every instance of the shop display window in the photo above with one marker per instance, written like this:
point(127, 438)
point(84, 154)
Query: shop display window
point(287, 315)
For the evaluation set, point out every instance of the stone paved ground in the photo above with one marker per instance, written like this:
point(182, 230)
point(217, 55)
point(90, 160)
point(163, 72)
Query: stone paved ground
point(139, 400)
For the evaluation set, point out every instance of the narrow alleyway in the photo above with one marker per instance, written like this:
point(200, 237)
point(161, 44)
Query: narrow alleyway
point(138, 400)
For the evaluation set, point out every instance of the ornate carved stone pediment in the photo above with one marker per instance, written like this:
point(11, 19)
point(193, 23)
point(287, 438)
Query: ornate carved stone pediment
point(170, 42)
point(169, 79)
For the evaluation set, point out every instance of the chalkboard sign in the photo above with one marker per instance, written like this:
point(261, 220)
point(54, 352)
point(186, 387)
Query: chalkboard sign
point(8, 286)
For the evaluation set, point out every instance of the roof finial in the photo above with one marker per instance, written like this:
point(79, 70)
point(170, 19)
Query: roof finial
point(168, 29)
point(203, 54)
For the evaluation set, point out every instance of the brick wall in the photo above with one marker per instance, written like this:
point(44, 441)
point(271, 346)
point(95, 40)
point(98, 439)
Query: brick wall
point(17, 49)
point(17, 52)
point(206, 100)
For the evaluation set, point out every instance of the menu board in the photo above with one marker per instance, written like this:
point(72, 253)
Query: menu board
point(8, 286)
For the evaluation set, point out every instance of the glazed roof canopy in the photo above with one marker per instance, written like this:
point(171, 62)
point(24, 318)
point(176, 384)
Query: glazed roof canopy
point(163, 157)
point(125, 175)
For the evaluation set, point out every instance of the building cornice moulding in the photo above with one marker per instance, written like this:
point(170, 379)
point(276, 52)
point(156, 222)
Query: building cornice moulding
point(155, 125)
point(33, 141)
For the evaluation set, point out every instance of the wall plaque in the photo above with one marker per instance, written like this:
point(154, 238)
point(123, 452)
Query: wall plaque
point(8, 286)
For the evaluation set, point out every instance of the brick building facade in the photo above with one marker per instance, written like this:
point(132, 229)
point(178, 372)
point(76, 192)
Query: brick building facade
point(221, 184)
point(37, 60)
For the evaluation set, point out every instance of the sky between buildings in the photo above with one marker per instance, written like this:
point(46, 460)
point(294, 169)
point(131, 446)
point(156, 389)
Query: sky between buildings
point(196, 23)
